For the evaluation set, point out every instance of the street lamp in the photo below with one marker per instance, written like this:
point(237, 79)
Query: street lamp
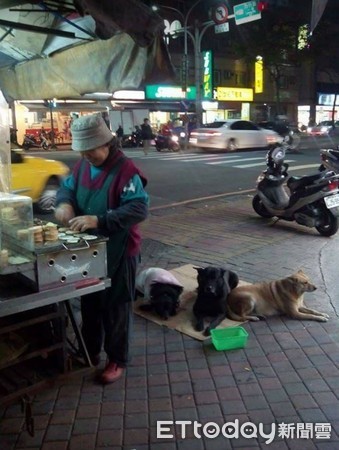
point(196, 40)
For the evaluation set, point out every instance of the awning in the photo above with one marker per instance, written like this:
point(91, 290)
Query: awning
point(51, 52)
point(68, 107)
point(117, 63)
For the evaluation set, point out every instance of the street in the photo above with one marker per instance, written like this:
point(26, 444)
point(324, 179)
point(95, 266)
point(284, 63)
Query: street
point(192, 174)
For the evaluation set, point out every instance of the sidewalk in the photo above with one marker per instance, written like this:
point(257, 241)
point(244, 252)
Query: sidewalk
point(288, 372)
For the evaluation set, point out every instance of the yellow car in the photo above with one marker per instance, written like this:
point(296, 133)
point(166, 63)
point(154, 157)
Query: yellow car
point(37, 178)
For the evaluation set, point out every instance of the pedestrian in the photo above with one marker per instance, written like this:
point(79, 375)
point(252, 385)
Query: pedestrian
point(44, 138)
point(105, 195)
point(120, 134)
point(147, 135)
point(65, 131)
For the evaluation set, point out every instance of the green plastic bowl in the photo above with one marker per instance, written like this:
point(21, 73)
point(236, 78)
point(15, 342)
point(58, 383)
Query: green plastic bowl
point(229, 338)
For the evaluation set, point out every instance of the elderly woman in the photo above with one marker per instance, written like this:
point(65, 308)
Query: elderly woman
point(105, 195)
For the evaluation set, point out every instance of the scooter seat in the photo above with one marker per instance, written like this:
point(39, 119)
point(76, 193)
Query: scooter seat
point(294, 183)
point(334, 152)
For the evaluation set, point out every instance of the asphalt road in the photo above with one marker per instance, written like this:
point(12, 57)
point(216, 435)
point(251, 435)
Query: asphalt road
point(190, 175)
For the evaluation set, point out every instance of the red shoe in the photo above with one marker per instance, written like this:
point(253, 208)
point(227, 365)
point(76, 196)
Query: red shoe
point(111, 373)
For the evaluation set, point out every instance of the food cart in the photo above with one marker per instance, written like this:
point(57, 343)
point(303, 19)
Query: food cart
point(42, 268)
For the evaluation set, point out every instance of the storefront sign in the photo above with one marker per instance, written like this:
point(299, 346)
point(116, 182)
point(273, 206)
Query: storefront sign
point(228, 94)
point(327, 99)
point(207, 75)
point(162, 92)
point(259, 77)
point(209, 106)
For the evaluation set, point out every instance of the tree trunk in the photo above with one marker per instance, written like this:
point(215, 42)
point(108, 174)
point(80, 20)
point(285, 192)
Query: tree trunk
point(333, 107)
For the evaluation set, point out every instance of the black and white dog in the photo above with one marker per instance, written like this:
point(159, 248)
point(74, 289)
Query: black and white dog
point(214, 285)
point(161, 289)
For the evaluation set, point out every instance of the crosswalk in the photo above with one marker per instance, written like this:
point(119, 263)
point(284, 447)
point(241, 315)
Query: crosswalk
point(237, 160)
point(222, 159)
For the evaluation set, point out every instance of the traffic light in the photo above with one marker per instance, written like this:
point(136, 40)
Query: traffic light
point(262, 6)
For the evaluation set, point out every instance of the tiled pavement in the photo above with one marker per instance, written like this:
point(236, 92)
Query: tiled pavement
point(288, 372)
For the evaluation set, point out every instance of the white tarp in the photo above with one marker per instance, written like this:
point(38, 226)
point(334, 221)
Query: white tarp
point(48, 52)
point(98, 66)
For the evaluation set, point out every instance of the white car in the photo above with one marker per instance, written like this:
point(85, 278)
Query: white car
point(232, 135)
point(324, 128)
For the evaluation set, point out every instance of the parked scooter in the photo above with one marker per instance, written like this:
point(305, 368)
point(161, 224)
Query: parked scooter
point(311, 200)
point(329, 158)
point(170, 142)
point(30, 141)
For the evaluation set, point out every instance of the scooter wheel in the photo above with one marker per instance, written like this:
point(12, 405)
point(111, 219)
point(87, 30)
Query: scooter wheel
point(175, 148)
point(260, 208)
point(330, 225)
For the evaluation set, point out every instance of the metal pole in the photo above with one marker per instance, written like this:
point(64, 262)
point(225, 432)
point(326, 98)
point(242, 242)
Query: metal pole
point(185, 61)
point(185, 35)
point(197, 65)
point(53, 146)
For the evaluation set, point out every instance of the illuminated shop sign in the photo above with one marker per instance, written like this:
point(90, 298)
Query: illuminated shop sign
point(163, 92)
point(229, 94)
point(327, 99)
point(207, 75)
point(259, 76)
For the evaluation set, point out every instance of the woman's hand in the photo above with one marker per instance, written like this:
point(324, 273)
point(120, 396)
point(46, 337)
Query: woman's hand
point(64, 213)
point(83, 223)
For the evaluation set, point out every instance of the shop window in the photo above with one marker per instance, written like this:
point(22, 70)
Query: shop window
point(228, 74)
point(292, 81)
point(233, 114)
point(239, 78)
point(283, 82)
point(217, 77)
point(41, 116)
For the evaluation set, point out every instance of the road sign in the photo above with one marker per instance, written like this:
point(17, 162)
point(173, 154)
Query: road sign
point(222, 27)
point(220, 14)
point(246, 12)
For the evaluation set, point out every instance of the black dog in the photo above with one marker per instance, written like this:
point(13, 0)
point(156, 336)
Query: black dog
point(164, 299)
point(214, 285)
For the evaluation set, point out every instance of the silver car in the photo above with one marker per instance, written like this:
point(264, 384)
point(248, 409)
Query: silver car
point(232, 135)
point(324, 128)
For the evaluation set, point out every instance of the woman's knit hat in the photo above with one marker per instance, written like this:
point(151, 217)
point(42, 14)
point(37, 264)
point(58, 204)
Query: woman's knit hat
point(89, 132)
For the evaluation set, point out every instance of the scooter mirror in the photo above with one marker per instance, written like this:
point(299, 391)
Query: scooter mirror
point(278, 155)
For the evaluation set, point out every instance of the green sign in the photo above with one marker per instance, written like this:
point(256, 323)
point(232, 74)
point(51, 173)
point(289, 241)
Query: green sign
point(246, 12)
point(167, 92)
point(207, 93)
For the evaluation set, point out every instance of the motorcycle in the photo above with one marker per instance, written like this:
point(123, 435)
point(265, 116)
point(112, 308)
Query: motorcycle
point(31, 141)
point(132, 140)
point(170, 142)
point(311, 200)
point(329, 159)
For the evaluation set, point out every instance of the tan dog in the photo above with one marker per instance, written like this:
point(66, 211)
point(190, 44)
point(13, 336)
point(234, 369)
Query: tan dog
point(257, 301)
